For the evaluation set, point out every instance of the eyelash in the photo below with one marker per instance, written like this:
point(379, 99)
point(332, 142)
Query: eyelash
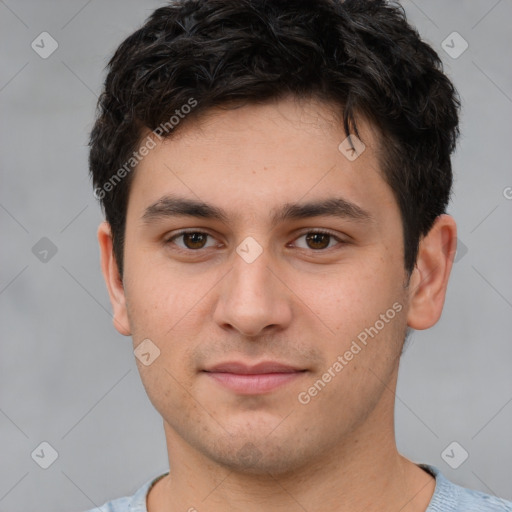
point(171, 239)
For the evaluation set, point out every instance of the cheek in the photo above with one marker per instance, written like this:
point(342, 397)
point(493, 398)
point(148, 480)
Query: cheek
point(351, 299)
point(165, 312)
point(158, 298)
point(168, 308)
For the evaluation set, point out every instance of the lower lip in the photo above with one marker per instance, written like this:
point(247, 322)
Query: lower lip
point(253, 384)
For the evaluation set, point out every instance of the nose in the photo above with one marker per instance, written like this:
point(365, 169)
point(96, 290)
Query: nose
point(252, 299)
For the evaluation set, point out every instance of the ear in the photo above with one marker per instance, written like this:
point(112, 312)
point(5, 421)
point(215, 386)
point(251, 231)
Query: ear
point(429, 279)
point(113, 280)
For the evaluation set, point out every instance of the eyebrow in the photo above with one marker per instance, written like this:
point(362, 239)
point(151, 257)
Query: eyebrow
point(174, 206)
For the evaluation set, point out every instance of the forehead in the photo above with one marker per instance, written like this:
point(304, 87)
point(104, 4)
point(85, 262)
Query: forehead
point(262, 158)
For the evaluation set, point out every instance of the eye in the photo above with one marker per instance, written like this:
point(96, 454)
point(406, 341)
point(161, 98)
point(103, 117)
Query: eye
point(196, 240)
point(191, 240)
point(318, 240)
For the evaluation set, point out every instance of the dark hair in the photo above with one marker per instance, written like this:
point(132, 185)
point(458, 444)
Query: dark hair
point(361, 56)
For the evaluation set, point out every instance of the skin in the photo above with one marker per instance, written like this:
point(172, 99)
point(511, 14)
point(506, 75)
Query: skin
point(297, 303)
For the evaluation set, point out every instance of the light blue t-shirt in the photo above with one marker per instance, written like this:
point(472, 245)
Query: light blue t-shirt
point(447, 497)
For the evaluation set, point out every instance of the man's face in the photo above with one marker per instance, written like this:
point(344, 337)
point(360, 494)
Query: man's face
point(258, 287)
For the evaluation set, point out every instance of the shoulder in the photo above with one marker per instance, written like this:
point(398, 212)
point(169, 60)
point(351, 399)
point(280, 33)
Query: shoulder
point(476, 501)
point(135, 503)
point(117, 505)
point(450, 497)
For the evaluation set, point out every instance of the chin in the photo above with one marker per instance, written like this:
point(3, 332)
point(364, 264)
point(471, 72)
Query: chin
point(261, 458)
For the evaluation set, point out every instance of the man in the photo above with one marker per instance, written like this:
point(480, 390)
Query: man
point(275, 177)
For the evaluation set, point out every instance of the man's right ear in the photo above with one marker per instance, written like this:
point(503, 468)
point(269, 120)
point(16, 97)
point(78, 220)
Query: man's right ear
point(113, 280)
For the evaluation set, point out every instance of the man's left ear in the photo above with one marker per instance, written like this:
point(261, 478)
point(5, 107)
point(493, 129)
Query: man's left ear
point(429, 279)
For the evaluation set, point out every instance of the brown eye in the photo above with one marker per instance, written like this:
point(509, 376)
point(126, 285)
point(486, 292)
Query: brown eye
point(194, 240)
point(318, 240)
point(190, 240)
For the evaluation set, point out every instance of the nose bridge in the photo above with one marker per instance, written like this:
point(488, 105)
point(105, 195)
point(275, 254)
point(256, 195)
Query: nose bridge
point(250, 281)
point(251, 298)
point(251, 277)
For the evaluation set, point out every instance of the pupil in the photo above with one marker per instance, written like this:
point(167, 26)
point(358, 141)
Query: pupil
point(315, 239)
point(195, 239)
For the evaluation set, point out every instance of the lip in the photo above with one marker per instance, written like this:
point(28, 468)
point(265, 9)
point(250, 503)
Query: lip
point(256, 379)
point(256, 369)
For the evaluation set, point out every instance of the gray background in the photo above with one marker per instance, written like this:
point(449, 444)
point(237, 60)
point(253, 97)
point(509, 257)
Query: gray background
point(68, 378)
